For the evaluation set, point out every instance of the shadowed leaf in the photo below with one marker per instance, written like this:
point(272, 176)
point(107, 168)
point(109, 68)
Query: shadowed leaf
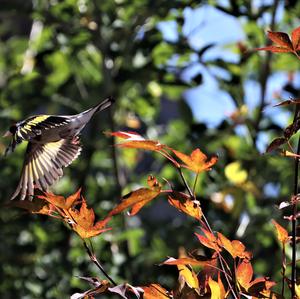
point(183, 203)
point(277, 142)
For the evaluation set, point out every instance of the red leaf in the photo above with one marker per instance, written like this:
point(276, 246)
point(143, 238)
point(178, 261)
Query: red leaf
point(135, 200)
point(296, 38)
point(280, 38)
point(274, 49)
point(282, 234)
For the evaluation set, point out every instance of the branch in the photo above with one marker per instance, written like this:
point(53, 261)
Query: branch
point(96, 262)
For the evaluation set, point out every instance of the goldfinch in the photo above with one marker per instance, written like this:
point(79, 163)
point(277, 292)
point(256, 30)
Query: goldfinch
point(53, 143)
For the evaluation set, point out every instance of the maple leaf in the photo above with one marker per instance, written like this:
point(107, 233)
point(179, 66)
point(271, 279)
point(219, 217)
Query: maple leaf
point(185, 204)
point(197, 161)
point(60, 201)
point(83, 222)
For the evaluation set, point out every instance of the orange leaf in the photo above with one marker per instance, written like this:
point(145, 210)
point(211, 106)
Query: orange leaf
point(282, 234)
point(226, 243)
point(240, 250)
point(209, 240)
point(135, 200)
point(215, 289)
point(134, 140)
point(244, 273)
point(280, 38)
point(184, 204)
point(185, 261)
point(83, 220)
point(155, 291)
point(60, 201)
point(197, 161)
point(296, 38)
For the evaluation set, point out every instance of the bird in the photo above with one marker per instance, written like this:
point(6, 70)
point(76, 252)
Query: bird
point(53, 143)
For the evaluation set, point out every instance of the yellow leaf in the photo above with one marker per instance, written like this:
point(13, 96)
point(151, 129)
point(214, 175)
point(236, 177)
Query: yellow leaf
point(235, 173)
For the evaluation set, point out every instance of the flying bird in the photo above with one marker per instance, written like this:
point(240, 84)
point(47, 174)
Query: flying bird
point(53, 143)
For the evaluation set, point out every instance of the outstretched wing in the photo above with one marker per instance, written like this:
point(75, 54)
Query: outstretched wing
point(36, 125)
point(44, 163)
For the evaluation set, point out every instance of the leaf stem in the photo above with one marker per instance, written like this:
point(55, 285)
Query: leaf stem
point(96, 262)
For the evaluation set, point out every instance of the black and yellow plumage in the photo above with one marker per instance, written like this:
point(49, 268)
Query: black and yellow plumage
point(53, 144)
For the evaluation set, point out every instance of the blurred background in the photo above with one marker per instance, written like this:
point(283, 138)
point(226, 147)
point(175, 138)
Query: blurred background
point(183, 72)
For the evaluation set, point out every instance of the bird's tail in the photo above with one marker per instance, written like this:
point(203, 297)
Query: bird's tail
point(103, 105)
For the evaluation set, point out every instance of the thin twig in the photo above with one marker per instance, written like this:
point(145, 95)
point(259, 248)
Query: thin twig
point(283, 268)
point(294, 219)
point(96, 262)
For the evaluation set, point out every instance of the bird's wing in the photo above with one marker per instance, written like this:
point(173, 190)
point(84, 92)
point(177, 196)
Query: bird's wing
point(36, 125)
point(44, 163)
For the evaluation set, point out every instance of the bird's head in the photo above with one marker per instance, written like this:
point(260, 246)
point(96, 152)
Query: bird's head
point(11, 131)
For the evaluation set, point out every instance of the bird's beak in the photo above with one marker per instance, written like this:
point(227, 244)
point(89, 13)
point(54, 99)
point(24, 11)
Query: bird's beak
point(7, 134)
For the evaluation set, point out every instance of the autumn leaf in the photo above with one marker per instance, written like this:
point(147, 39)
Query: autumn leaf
point(83, 222)
point(197, 161)
point(283, 43)
point(282, 234)
point(280, 38)
point(244, 274)
point(135, 140)
point(183, 203)
point(214, 289)
point(208, 240)
point(185, 261)
point(135, 200)
point(60, 201)
point(35, 206)
point(155, 291)
point(296, 38)
point(187, 276)
point(240, 250)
